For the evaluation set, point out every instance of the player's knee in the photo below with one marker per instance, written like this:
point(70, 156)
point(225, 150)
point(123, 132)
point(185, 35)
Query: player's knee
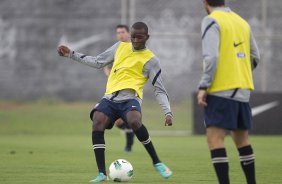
point(215, 137)
point(215, 142)
point(98, 122)
point(242, 143)
point(97, 125)
point(240, 138)
point(135, 123)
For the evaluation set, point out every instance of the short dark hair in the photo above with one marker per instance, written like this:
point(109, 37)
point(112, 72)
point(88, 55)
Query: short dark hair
point(216, 3)
point(140, 25)
point(123, 26)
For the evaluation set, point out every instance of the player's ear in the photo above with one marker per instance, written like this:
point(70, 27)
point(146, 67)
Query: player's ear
point(148, 36)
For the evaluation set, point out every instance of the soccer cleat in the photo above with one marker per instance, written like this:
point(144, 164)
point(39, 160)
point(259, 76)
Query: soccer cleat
point(164, 171)
point(100, 178)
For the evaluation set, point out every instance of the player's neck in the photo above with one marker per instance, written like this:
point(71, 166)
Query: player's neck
point(211, 8)
point(139, 49)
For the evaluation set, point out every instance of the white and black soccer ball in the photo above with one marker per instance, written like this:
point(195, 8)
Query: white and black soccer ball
point(121, 170)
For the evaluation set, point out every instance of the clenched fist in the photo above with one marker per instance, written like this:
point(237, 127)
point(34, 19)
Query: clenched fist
point(168, 120)
point(63, 51)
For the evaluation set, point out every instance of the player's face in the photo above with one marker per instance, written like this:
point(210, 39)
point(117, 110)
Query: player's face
point(139, 38)
point(122, 34)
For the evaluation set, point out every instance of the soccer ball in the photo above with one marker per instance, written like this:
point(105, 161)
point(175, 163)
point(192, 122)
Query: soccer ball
point(121, 170)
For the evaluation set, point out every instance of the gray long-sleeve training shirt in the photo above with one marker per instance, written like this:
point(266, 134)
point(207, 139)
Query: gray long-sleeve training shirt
point(151, 70)
point(210, 48)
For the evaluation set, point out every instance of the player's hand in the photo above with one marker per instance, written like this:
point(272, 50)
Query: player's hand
point(168, 120)
point(63, 51)
point(202, 97)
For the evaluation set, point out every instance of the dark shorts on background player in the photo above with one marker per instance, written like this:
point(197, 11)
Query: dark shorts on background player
point(116, 110)
point(228, 114)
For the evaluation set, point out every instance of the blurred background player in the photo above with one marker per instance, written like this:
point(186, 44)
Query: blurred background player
point(123, 35)
point(133, 65)
point(230, 53)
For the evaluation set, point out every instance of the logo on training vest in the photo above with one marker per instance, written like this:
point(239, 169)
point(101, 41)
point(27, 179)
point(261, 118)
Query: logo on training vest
point(117, 69)
point(241, 55)
point(237, 44)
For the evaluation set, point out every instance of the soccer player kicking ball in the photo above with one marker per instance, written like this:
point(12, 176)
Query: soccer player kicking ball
point(133, 65)
point(123, 35)
point(230, 53)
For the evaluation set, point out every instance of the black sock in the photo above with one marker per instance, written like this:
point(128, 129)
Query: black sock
point(129, 139)
point(143, 136)
point(99, 146)
point(247, 159)
point(220, 163)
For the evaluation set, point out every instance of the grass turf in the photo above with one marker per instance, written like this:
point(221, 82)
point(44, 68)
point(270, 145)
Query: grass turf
point(51, 143)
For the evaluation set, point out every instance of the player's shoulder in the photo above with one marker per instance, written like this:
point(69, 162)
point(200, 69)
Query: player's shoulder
point(117, 44)
point(241, 18)
point(155, 59)
point(154, 62)
point(153, 56)
point(114, 47)
point(208, 20)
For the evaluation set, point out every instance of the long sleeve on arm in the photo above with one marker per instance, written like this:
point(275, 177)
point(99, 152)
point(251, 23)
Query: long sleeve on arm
point(99, 61)
point(152, 70)
point(255, 55)
point(210, 48)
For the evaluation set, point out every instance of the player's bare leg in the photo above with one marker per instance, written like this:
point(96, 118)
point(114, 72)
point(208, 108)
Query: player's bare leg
point(129, 134)
point(119, 123)
point(240, 138)
point(100, 122)
point(134, 119)
point(215, 140)
point(247, 158)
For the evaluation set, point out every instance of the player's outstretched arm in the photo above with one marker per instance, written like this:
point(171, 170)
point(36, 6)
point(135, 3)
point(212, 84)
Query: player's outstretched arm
point(152, 70)
point(98, 62)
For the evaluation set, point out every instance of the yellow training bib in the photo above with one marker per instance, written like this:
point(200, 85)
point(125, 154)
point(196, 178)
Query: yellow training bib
point(234, 66)
point(127, 70)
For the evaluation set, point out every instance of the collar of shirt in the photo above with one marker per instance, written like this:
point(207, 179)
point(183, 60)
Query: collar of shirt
point(226, 9)
point(134, 50)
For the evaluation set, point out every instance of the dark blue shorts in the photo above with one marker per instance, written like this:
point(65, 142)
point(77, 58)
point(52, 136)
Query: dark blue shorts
point(227, 114)
point(115, 110)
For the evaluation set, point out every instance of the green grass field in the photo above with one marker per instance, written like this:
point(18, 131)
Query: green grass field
point(49, 142)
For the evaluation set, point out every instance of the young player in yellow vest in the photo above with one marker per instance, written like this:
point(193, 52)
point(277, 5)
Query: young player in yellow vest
point(133, 65)
point(230, 53)
point(123, 35)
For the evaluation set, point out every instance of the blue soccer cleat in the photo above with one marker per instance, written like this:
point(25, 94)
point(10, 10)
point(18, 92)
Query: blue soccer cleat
point(164, 171)
point(100, 178)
